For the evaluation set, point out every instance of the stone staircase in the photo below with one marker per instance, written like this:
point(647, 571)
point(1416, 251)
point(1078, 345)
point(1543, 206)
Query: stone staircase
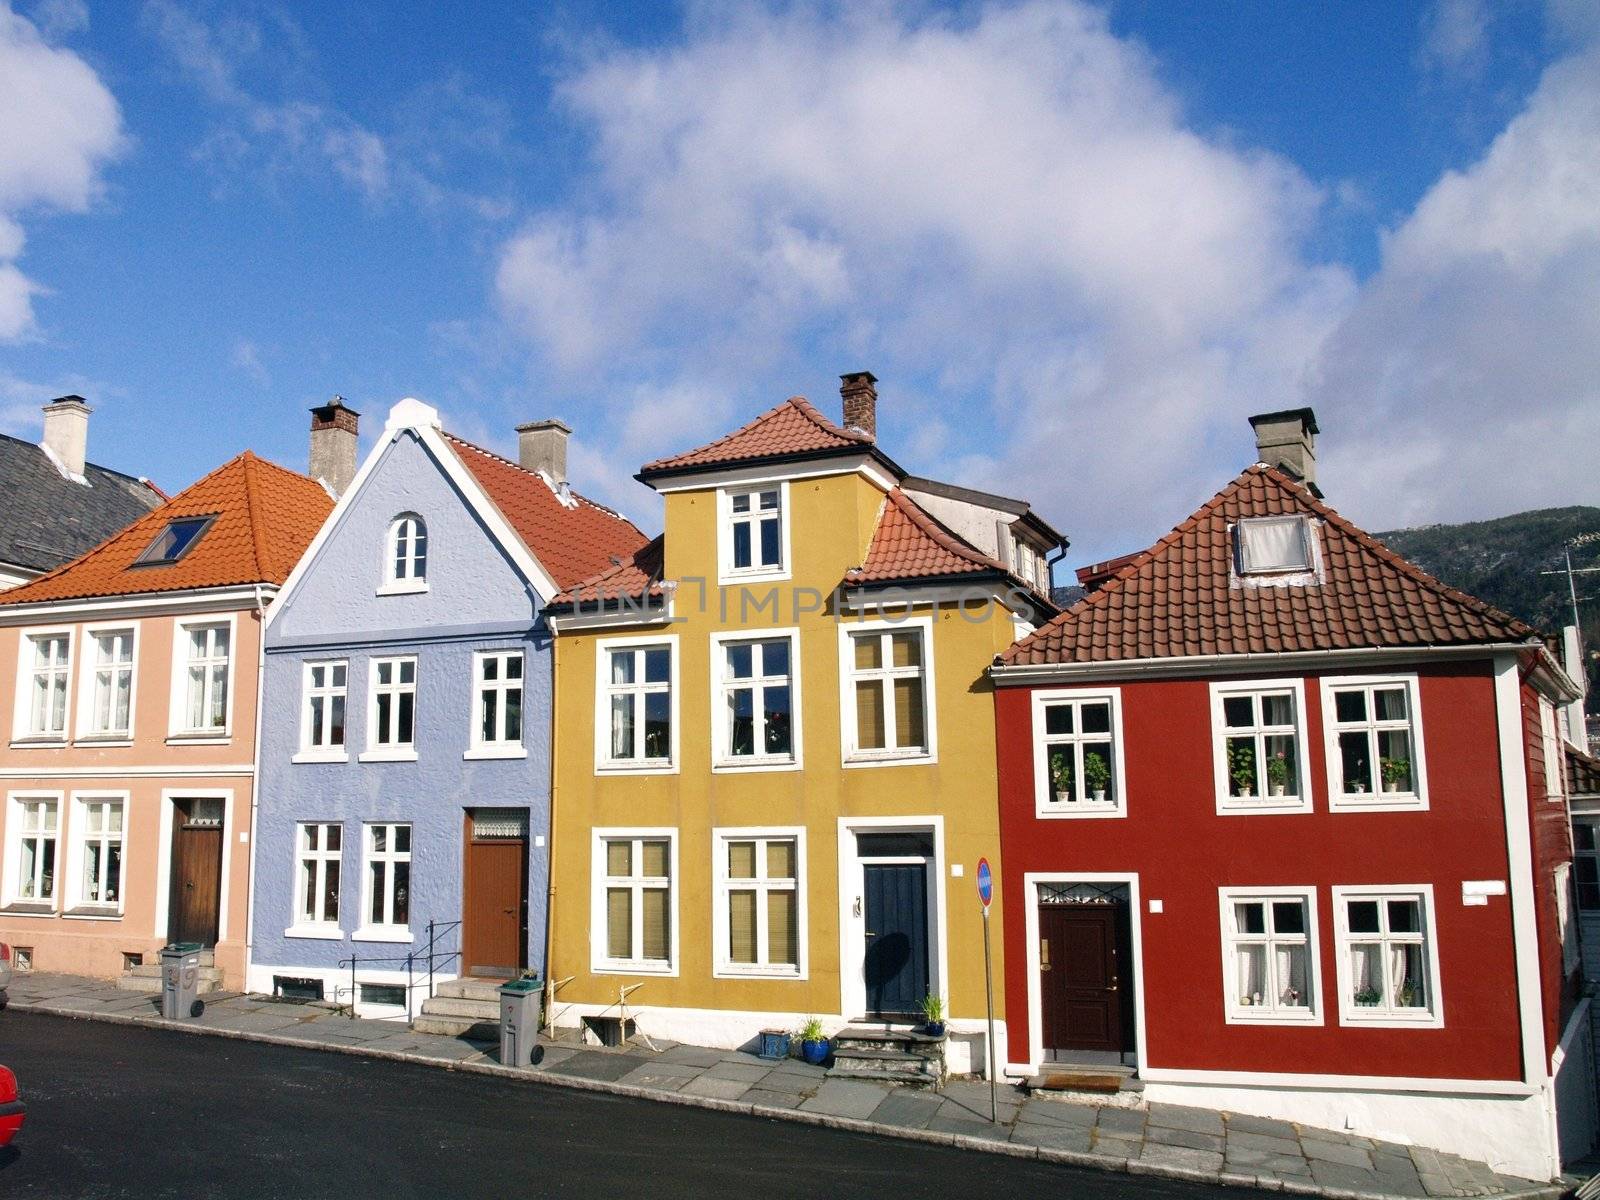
point(468, 1008)
point(888, 1055)
point(147, 978)
point(1091, 1083)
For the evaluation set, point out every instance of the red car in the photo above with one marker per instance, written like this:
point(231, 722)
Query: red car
point(11, 1108)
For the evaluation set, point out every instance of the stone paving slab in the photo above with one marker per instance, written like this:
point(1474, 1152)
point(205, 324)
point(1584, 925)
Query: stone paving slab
point(1170, 1141)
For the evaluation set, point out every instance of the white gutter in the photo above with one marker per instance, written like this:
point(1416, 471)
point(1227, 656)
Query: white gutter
point(255, 780)
point(132, 604)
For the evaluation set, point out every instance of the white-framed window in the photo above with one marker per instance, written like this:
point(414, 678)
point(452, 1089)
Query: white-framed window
point(1385, 945)
point(1566, 927)
point(1550, 740)
point(887, 700)
point(636, 710)
point(392, 709)
point(1586, 864)
point(205, 667)
point(326, 690)
point(634, 917)
point(174, 541)
point(754, 533)
point(755, 700)
point(1273, 545)
point(1373, 726)
point(759, 919)
point(45, 685)
point(1078, 764)
point(33, 836)
point(1259, 751)
point(497, 702)
point(386, 891)
point(107, 709)
point(1269, 956)
point(405, 556)
point(97, 841)
point(319, 852)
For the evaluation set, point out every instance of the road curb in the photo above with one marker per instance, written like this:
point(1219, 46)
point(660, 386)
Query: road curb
point(959, 1141)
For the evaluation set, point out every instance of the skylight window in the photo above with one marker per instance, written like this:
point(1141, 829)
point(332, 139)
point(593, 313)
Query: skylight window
point(176, 540)
point(1273, 545)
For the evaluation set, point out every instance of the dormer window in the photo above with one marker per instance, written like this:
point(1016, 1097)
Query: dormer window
point(173, 542)
point(755, 534)
point(407, 560)
point(1273, 545)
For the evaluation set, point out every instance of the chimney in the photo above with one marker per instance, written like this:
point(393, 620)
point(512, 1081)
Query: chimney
point(860, 392)
point(334, 429)
point(542, 446)
point(1288, 439)
point(66, 432)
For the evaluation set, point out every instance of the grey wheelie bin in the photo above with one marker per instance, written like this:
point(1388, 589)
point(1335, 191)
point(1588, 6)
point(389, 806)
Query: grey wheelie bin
point(519, 1020)
point(180, 981)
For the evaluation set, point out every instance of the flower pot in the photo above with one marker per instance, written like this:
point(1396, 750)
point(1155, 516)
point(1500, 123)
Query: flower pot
point(815, 1053)
point(934, 1029)
point(1063, 795)
point(1391, 785)
point(1100, 796)
point(1277, 789)
point(774, 1043)
point(1360, 789)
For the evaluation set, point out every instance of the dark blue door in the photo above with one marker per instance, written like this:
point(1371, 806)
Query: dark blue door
point(897, 937)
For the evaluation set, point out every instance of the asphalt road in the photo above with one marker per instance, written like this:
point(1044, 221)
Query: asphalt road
point(115, 1111)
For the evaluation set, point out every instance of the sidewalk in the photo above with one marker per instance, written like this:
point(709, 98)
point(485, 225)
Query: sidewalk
point(1182, 1143)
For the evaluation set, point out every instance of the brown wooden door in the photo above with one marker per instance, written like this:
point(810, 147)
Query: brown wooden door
point(1081, 977)
point(195, 902)
point(494, 902)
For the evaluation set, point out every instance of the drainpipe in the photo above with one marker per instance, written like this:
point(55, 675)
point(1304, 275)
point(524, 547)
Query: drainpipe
point(550, 848)
point(255, 776)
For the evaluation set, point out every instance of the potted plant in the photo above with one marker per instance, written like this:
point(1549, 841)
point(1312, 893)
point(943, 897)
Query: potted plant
point(1061, 777)
point(813, 1045)
point(1242, 768)
point(933, 1015)
point(1368, 997)
point(1395, 771)
point(1096, 775)
point(1278, 772)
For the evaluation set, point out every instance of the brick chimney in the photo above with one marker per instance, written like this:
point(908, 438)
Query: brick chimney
point(335, 427)
point(542, 446)
point(1288, 439)
point(66, 431)
point(860, 392)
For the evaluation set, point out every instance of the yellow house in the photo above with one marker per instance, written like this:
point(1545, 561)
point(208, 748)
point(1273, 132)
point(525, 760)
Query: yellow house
point(774, 741)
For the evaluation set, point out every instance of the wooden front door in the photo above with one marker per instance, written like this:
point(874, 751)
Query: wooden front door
point(195, 901)
point(896, 965)
point(1084, 984)
point(494, 901)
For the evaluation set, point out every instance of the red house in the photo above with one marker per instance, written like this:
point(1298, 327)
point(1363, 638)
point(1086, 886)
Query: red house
point(1282, 833)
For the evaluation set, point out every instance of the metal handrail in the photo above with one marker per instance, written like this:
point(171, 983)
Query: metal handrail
point(432, 953)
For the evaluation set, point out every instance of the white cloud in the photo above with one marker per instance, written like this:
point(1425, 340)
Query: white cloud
point(246, 357)
point(59, 127)
point(57, 19)
point(1455, 37)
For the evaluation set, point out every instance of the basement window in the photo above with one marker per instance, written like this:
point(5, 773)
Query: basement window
point(392, 995)
point(176, 540)
point(1273, 545)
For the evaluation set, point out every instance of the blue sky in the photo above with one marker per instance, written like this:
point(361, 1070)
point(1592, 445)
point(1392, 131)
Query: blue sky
point(1077, 243)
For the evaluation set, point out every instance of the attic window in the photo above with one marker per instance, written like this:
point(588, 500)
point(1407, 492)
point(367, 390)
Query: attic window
point(1273, 545)
point(174, 541)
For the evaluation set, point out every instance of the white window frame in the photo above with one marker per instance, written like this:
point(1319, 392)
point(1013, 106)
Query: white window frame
point(1227, 803)
point(604, 764)
point(851, 754)
point(88, 688)
point(1554, 777)
point(1380, 801)
point(1566, 918)
point(600, 960)
point(1350, 1013)
point(327, 752)
point(13, 852)
point(727, 573)
point(77, 850)
point(367, 929)
point(178, 701)
point(1308, 542)
point(723, 965)
point(477, 747)
point(721, 761)
point(390, 751)
point(317, 860)
point(22, 733)
point(394, 583)
point(1044, 807)
point(1236, 1013)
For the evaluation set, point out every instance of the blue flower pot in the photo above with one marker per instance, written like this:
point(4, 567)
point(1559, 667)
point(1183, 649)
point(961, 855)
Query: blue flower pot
point(934, 1029)
point(774, 1044)
point(815, 1053)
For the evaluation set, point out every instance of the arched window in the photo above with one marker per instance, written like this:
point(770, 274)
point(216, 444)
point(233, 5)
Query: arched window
point(408, 550)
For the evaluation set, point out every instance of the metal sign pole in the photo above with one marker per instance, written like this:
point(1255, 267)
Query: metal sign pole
point(988, 987)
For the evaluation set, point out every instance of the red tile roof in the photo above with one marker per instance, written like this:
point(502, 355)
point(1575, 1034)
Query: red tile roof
point(1180, 597)
point(634, 578)
point(573, 542)
point(794, 427)
point(1583, 773)
point(908, 544)
point(265, 516)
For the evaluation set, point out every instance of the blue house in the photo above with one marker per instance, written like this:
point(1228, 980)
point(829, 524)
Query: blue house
point(404, 753)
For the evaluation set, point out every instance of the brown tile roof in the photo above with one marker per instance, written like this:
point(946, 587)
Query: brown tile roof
point(573, 543)
point(794, 427)
point(1583, 773)
point(634, 578)
point(1175, 599)
point(265, 516)
point(908, 543)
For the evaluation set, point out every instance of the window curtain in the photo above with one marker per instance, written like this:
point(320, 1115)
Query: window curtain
point(1399, 960)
